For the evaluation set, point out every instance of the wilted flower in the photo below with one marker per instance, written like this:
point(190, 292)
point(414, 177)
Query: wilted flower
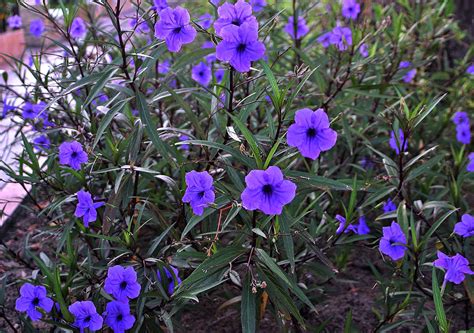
point(267, 191)
point(86, 316)
point(341, 37)
point(395, 144)
point(342, 225)
point(389, 206)
point(184, 146)
point(7, 107)
point(171, 279)
point(470, 164)
point(362, 227)
point(36, 27)
point(359, 229)
point(78, 28)
point(455, 267)
point(199, 191)
point(463, 134)
point(202, 74)
point(205, 21)
point(240, 46)
point(31, 298)
point(41, 143)
point(301, 28)
point(118, 317)
point(175, 28)
point(393, 241)
point(465, 227)
point(86, 207)
point(72, 154)
point(408, 77)
point(258, 5)
point(364, 50)
point(122, 283)
point(311, 133)
point(235, 15)
point(14, 22)
point(350, 9)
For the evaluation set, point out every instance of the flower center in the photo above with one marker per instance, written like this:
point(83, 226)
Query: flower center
point(241, 48)
point(267, 189)
point(120, 317)
point(201, 194)
point(177, 30)
point(201, 73)
point(236, 22)
point(87, 319)
point(311, 132)
point(123, 285)
point(74, 154)
point(36, 301)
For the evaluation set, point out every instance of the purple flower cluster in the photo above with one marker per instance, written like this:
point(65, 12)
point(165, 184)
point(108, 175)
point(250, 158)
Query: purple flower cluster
point(200, 191)
point(86, 316)
point(14, 22)
point(340, 36)
point(410, 72)
point(72, 154)
point(456, 267)
point(122, 283)
point(463, 127)
point(350, 9)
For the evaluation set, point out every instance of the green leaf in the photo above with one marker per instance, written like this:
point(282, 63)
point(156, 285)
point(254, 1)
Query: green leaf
point(438, 301)
point(100, 84)
point(273, 82)
point(248, 306)
point(318, 181)
point(251, 141)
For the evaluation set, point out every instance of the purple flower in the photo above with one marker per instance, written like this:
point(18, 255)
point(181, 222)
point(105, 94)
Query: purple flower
point(350, 9)
point(219, 74)
point(164, 66)
point(175, 28)
point(325, 39)
point(205, 21)
point(465, 227)
point(159, 5)
point(170, 278)
point(86, 207)
point(122, 283)
point(184, 146)
point(86, 316)
point(29, 111)
point(199, 191)
point(78, 28)
point(470, 70)
point(470, 164)
point(364, 50)
point(258, 5)
point(301, 28)
point(32, 297)
point(118, 317)
point(311, 133)
point(14, 22)
point(72, 154)
point(341, 37)
point(201, 73)
point(455, 267)
point(143, 27)
point(461, 118)
point(366, 162)
point(240, 46)
point(267, 191)
point(395, 144)
point(362, 227)
point(342, 225)
point(234, 15)
point(209, 45)
point(7, 107)
point(37, 27)
point(389, 206)
point(463, 134)
point(393, 241)
point(408, 77)
point(41, 143)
